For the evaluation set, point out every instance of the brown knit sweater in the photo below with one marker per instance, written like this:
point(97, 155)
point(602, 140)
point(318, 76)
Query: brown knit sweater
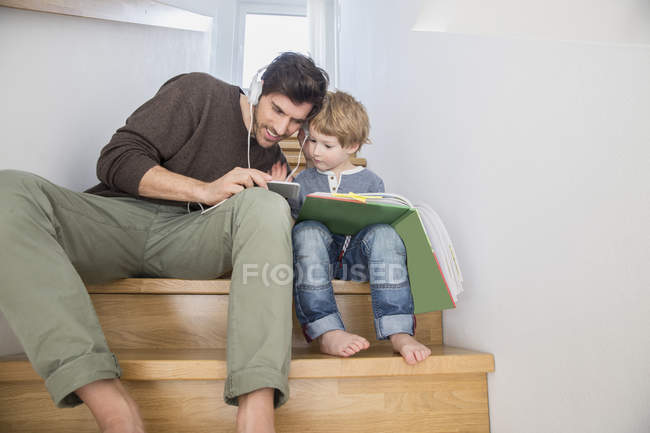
point(193, 126)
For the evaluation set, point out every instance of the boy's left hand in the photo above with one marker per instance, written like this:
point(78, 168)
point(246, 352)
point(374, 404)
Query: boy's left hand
point(279, 172)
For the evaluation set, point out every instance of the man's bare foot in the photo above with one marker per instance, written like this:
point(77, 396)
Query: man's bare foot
point(412, 351)
point(255, 413)
point(341, 343)
point(112, 406)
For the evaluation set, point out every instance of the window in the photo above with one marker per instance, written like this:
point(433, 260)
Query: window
point(268, 35)
point(264, 31)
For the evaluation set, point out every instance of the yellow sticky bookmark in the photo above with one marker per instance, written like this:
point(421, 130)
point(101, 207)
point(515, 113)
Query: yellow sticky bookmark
point(351, 195)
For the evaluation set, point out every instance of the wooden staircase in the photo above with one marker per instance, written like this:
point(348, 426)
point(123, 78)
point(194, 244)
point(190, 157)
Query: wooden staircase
point(291, 149)
point(170, 336)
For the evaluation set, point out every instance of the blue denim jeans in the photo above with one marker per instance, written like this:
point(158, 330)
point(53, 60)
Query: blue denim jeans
point(376, 254)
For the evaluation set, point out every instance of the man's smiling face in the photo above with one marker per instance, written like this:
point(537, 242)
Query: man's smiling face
point(277, 117)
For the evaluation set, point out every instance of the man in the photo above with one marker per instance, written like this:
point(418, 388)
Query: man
point(186, 145)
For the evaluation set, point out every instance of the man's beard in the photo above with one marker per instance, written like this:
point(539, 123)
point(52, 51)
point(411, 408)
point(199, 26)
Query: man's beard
point(257, 127)
point(263, 140)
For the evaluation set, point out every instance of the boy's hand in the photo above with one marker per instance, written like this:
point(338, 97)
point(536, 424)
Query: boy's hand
point(231, 183)
point(279, 172)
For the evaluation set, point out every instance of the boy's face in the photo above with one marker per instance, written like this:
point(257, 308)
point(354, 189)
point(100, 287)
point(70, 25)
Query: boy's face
point(326, 152)
point(277, 117)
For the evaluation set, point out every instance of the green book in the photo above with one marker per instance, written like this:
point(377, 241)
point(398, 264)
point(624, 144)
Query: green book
point(346, 215)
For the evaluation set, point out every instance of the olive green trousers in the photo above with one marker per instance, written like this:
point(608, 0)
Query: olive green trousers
point(53, 241)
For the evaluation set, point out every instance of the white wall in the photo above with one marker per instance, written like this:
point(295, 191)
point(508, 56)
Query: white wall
point(605, 21)
point(535, 153)
point(68, 83)
point(225, 38)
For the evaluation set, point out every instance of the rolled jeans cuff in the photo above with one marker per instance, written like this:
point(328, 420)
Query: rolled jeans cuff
point(315, 329)
point(386, 326)
point(252, 379)
point(79, 372)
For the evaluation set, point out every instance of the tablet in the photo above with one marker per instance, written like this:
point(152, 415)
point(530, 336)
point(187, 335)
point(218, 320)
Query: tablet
point(289, 190)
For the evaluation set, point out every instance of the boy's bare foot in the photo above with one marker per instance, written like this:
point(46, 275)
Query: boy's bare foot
point(255, 413)
point(341, 343)
point(111, 405)
point(412, 351)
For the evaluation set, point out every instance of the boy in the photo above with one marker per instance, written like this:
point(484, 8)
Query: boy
point(376, 253)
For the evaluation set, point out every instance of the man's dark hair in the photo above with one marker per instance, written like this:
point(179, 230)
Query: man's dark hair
point(297, 77)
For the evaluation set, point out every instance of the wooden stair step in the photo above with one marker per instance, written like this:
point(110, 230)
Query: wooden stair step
point(293, 160)
point(289, 144)
point(210, 364)
point(221, 286)
point(440, 403)
point(152, 313)
point(200, 321)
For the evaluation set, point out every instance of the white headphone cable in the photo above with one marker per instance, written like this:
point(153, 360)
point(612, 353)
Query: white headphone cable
point(250, 127)
point(299, 154)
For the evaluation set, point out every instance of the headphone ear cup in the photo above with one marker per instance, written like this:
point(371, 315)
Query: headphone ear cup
point(255, 90)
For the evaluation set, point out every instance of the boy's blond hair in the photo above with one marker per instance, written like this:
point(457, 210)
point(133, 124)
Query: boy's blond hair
point(342, 117)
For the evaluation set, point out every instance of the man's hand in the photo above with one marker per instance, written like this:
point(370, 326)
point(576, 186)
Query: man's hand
point(161, 183)
point(231, 183)
point(279, 172)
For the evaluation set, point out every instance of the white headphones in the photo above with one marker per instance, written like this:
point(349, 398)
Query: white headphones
point(255, 89)
point(254, 93)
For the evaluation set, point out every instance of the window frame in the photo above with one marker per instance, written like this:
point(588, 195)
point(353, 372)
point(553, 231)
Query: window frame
point(246, 8)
